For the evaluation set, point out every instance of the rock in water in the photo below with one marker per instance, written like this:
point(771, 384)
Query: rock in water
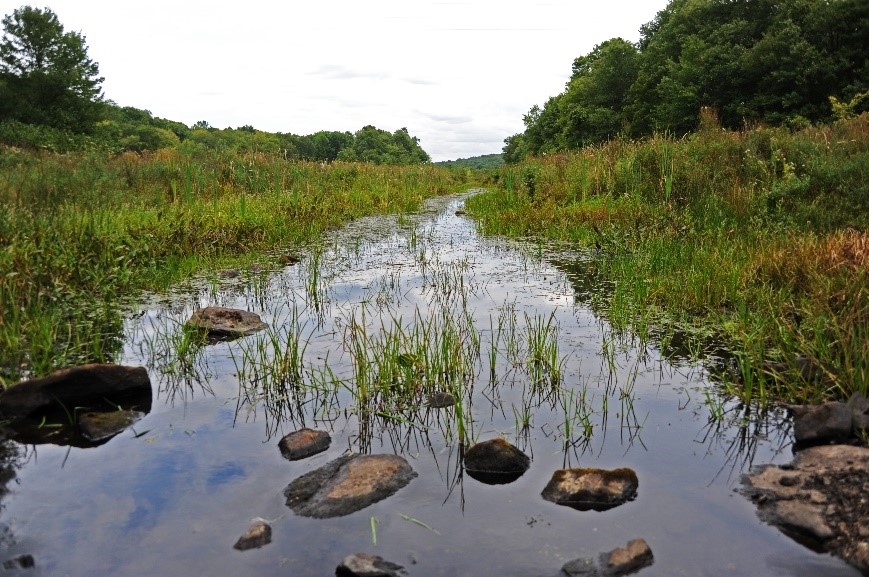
point(96, 427)
point(495, 462)
point(829, 421)
point(304, 443)
point(221, 323)
point(587, 489)
point(259, 534)
point(365, 565)
point(819, 499)
point(633, 556)
point(347, 484)
point(441, 400)
point(83, 386)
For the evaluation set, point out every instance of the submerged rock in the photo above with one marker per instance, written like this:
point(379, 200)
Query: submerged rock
point(258, 535)
point(304, 443)
point(365, 565)
point(223, 323)
point(20, 562)
point(819, 499)
point(83, 386)
point(100, 426)
point(348, 484)
point(441, 400)
point(587, 489)
point(495, 462)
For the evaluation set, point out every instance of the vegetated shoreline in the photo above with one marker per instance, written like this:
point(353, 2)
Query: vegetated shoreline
point(755, 240)
point(83, 231)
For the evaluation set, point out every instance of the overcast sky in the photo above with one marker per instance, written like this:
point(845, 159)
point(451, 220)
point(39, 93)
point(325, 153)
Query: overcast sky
point(459, 75)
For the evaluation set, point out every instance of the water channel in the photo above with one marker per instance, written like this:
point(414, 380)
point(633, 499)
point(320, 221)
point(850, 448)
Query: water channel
point(171, 495)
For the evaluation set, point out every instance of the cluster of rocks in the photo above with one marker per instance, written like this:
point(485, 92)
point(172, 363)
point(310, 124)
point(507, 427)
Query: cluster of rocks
point(820, 498)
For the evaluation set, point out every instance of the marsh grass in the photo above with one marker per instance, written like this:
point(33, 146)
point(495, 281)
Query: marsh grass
point(752, 241)
point(79, 233)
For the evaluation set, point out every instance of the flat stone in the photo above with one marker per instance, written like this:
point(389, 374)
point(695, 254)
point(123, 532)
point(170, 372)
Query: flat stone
point(348, 484)
point(495, 462)
point(99, 426)
point(82, 386)
point(258, 535)
point(581, 568)
point(633, 556)
point(802, 518)
point(304, 443)
point(597, 489)
point(225, 323)
point(822, 422)
point(365, 565)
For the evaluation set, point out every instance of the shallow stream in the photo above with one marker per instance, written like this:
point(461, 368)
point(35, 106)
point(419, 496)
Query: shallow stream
point(171, 495)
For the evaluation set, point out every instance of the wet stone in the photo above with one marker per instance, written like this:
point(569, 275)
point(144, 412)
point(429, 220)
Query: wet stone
point(495, 462)
point(258, 535)
point(820, 423)
point(348, 484)
point(587, 489)
point(82, 386)
point(304, 443)
point(365, 565)
point(99, 426)
point(633, 556)
point(229, 273)
point(225, 323)
point(441, 400)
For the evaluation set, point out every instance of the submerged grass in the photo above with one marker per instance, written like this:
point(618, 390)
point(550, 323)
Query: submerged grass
point(754, 241)
point(80, 232)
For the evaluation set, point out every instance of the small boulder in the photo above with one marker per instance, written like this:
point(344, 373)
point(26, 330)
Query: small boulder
point(82, 386)
point(348, 484)
point(304, 443)
point(441, 400)
point(365, 565)
point(819, 423)
point(289, 259)
point(220, 323)
point(597, 489)
point(632, 557)
point(258, 535)
point(96, 427)
point(495, 462)
point(229, 273)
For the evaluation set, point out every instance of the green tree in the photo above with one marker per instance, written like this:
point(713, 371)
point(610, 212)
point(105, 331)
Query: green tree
point(46, 76)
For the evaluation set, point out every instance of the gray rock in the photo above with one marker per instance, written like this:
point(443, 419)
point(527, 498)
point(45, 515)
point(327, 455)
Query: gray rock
point(581, 568)
point(304, 443)
point(258, 535)
point(365, 565)
point(495, 462)
point(818, 499)
point(347, 484)
point(822, 422)
point(587, 489)
point(225, 323)
point(632, 557)
point(20, 562)
point(99, 426)
point(81, 386)
point(441, 400)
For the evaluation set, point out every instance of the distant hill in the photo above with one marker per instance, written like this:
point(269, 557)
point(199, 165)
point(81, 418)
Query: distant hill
point(478, 162)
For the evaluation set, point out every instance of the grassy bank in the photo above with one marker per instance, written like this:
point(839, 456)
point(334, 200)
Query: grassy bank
point(80, 231)
point(756, 240)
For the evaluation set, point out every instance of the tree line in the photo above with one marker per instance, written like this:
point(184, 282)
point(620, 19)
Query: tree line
point(743, 62)
point(51, 98)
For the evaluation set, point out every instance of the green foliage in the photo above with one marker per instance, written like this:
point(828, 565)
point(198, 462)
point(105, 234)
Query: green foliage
point(482, 162)
point(765, 62)
point(46, 77)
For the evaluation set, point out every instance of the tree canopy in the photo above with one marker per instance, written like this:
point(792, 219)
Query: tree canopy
point(751, 61)
point(46, 76)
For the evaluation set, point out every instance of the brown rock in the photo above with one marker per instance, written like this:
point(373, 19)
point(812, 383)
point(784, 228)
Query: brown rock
point(224, 323)
point(347, 484)
point(365, 565)
point(635, 555)
point(441, 400)
point(304, 443)
point(495, 462)
point(586, 489)
point(82, 386)
point(258, 535)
